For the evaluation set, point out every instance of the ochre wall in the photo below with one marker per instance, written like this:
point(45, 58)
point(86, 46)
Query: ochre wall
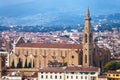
point(36, 54)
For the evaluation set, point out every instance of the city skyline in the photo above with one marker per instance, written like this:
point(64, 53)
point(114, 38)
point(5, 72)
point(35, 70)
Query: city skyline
point(60, 55)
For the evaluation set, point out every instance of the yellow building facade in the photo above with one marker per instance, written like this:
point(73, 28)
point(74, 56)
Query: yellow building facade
point(113, 75)
point(42, 55)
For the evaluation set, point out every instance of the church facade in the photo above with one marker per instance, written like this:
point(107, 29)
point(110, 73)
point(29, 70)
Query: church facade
point(37, 55)
point(44, 55)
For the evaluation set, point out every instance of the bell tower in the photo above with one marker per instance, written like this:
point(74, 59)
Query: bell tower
point(87, 42)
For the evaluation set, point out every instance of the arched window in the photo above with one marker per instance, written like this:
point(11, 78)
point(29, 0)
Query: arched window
point(72, 57)
point(85, 58)
point(85, 38)
point(90, 37)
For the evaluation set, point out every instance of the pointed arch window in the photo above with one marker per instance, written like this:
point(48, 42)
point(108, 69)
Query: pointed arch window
point(85, 38)
point(85, 58)
point(90, 37)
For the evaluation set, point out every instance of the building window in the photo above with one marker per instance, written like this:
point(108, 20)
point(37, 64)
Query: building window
point(50, 76)
point(90, 38)
point(81, 77)
point(41, 76)
point(55, 77)
point(67, 77)
point(46, 76)
point(85, 58)
point(60, 77)
point(76, 77)
point(72, 57)
point(85, 77)
point(93, 78)
point(71, 77)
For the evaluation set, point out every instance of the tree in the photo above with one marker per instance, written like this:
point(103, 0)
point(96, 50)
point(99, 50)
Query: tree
point(13, 64)
point(26, 66)
point(111, 66)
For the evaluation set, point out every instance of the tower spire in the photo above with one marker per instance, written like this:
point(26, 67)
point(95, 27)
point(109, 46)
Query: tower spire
point(88, 15)
point(87, 41)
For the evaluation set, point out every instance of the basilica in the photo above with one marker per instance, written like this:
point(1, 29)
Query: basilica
point(36, 55)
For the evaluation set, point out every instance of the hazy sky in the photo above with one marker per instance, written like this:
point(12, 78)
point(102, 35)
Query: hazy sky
point(30, 7)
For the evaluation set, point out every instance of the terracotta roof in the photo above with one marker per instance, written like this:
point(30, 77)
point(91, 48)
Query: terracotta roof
point(52, 70)
point(50, 45)
point(113, 72)
point(82, 69)
point(35, 75)
point(74, 68)
point(102, 76)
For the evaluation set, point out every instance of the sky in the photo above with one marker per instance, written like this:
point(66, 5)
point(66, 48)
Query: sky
point(30, 7)
point(32, 12)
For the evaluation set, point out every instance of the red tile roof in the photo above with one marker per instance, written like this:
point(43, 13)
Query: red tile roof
point(82, 69)
point(52, 70)
point(102, 76)
point(51, 45)
point(72, 68)
point(113, 72)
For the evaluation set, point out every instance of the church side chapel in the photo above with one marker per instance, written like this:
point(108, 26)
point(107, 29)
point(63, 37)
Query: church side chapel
point(36, 55)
